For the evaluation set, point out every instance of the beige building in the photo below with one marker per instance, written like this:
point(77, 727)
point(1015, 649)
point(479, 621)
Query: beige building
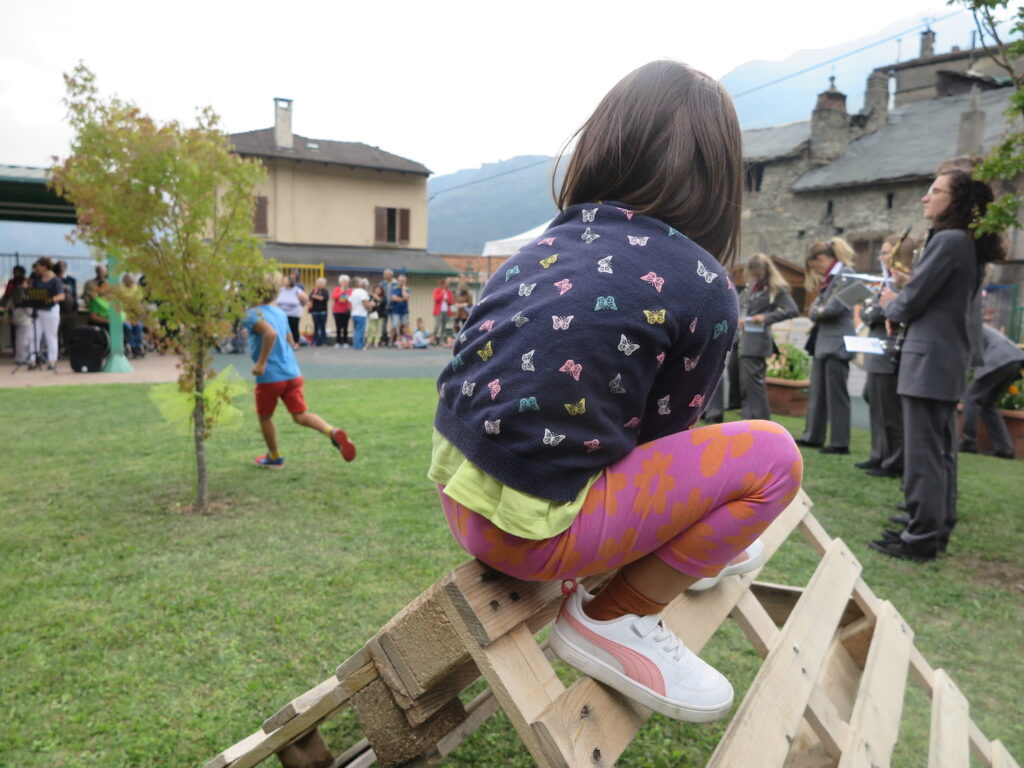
point(343, 208)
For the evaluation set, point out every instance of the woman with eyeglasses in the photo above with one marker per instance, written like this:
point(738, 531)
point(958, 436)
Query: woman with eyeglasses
point(937, 307)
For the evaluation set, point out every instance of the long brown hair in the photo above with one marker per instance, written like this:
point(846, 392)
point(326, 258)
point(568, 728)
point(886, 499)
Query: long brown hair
point(968, 201)
point(773, 279)
point(664, 141)
point(835, 247)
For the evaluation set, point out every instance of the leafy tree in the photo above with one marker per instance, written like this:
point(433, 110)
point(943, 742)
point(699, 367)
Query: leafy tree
point(175, 204)
point(1006, 160)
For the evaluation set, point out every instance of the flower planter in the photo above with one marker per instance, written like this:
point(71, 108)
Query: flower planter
point(1014, 424)
point(787, 397)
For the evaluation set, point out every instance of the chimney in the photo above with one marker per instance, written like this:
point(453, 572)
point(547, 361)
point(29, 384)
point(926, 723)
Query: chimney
point(927, 44)
point(972, 127)
point(830, 125)
point(876, 101)
point(283, 123)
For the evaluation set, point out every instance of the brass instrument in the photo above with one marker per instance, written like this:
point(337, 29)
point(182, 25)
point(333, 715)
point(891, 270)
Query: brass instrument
point(894, 260)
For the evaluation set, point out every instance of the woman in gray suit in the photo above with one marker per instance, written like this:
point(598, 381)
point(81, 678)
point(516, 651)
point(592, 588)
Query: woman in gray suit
point(828, 405)
point(764, 302)
point(938, 309)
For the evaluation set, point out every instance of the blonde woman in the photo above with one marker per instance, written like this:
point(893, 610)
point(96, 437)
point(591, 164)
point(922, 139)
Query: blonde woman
point(764, 302)
point(829, 403)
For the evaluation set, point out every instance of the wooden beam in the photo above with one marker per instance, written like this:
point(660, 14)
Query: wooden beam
point(309, 751)
point(948, 746)
point(1001, 758)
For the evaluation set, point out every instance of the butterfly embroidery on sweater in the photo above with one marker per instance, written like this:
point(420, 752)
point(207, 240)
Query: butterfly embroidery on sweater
point(546, 241)
point(663, 409)
point(589, 236)
point(592, 445)
point(634, 240)
point(528, 404)
point(562, 286)
point(655, 316)
point(697, 402)
point(526, 290)
point(721, 328)
point(673, 231)
point(615, 385)
point(519, 320)
point(654, 280)
point(627, 346)
point(468, 387)
point(632, 423)
point(605, 302)
point(706, 273)
point(462, 338)
point(605, 265)
point(486, 352)
point(492, 427)
point(589, 214)
point(528, 360)
point(487, 325)
point(561, 323)
point(693, 325)
point(660, 357)
point(577, 409)
point(511, 271)
point(457, 362)
point(689, 363)
point(550, 438)
point(494, 387)
point(549, 260)
point(628, 213)
point(573, 368)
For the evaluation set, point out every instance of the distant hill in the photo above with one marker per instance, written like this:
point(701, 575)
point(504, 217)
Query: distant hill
point(518, 197)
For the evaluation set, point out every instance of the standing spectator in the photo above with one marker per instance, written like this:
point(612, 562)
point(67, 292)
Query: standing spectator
point(47, 320)
point(15, 296)
point(342, 311)
point(131, 301)
point(69, 307)
point(443, 301)
point(360, 309)
point(398, 306)
point(387, 283)
point(1001, 362)
point(291, 300)
point(318, 309)
point(89, 290)
point(463, 303)
point(376, 311)
point(298, 283)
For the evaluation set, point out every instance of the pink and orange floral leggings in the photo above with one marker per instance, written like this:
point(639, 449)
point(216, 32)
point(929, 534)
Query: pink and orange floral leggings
point(696, 499)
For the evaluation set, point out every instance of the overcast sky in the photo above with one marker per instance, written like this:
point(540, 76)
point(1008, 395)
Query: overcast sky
point(449, 84)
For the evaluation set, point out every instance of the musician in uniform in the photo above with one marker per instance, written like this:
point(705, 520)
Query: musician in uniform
point(828, 404)
point(764, 302)
point(935, 307)
point(1000, 367)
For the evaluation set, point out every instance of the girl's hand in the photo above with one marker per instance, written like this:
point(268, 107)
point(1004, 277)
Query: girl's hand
point(758, 318)
point(259, 369)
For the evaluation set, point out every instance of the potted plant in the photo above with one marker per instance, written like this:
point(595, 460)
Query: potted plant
point(787, 379)
point(1011, 406)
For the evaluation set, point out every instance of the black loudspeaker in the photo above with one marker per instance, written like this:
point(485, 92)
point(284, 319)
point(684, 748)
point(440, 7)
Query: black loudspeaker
point(89, 346)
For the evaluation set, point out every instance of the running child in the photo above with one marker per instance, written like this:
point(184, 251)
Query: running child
point(563, 443)
point(271, 347)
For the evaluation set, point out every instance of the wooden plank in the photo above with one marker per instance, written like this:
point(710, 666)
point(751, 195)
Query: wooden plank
point(856, 638)
point(235, 751)
point(875, 722)
point(948, 746)
point(1001, 758)
point(419, 710)
point(922, 671)
point(981, 748)
point(346, 758)
point(767, 719)
point(331, 689)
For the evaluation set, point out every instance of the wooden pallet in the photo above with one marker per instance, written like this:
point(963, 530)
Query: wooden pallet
point(829, 693)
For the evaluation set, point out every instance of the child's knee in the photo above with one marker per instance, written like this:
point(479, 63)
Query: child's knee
point(782, 453)
point(299, 418)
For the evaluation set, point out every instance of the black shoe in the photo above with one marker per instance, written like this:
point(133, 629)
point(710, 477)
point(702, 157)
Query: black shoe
point(806, 443)
point(901, 519)
point(967, 448)
point(869, 464)
point(902, 507)
point(880, 472)
point(839, 449)
point(916, 553)
point(1001, 455)
point(943, 541)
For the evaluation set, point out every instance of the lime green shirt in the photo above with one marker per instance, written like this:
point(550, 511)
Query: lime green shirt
point(515, 512)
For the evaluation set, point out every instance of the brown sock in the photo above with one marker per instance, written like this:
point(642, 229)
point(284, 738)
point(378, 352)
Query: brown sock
point(619, 598)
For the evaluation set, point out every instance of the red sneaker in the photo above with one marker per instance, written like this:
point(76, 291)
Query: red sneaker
point(343, 444)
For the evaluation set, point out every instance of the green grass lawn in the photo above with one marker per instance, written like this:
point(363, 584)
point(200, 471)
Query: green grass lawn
point(137, 634)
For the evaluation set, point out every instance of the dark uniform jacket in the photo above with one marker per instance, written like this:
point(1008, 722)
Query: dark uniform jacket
point(752, 303)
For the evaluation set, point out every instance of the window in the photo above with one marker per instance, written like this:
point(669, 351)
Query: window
point(753, 176)
point(391, 225)
point(259, 216)
point(889, 197)
point(828, 208)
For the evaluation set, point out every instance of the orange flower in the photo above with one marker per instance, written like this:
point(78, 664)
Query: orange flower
point(1013, 390)
point(654, 482)
point(505, 548)
point(682, 515)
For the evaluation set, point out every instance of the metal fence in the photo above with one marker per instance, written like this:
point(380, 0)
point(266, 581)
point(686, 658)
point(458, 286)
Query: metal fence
point(81, 268)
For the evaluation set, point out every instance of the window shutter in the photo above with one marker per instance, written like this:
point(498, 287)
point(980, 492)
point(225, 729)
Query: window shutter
point(259, 216)
point(403, 226)
point(380, 225)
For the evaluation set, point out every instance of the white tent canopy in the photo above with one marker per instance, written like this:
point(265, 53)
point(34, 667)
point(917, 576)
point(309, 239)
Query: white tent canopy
point(509, 245)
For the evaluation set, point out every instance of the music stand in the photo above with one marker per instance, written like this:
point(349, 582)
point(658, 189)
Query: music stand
point(35, 299)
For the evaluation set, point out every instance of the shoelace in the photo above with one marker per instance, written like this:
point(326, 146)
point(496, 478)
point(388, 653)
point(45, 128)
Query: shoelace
point(670, 643)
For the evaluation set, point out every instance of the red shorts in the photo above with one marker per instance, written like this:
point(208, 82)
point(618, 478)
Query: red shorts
point(290, 392)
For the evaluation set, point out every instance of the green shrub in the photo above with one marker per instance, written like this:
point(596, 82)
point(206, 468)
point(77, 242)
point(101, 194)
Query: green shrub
point(1013, 398)
point(792, 363)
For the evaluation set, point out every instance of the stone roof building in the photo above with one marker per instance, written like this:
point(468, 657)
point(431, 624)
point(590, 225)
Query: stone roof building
point(862, 176)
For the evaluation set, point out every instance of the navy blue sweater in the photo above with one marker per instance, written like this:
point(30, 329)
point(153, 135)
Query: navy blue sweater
point(609, 331)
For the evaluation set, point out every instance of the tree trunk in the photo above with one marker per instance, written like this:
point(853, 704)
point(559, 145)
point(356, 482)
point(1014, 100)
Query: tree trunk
point(199, 415)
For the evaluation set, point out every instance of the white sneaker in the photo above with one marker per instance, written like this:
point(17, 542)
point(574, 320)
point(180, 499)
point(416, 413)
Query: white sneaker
point(641, 659)
point(755, 559)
